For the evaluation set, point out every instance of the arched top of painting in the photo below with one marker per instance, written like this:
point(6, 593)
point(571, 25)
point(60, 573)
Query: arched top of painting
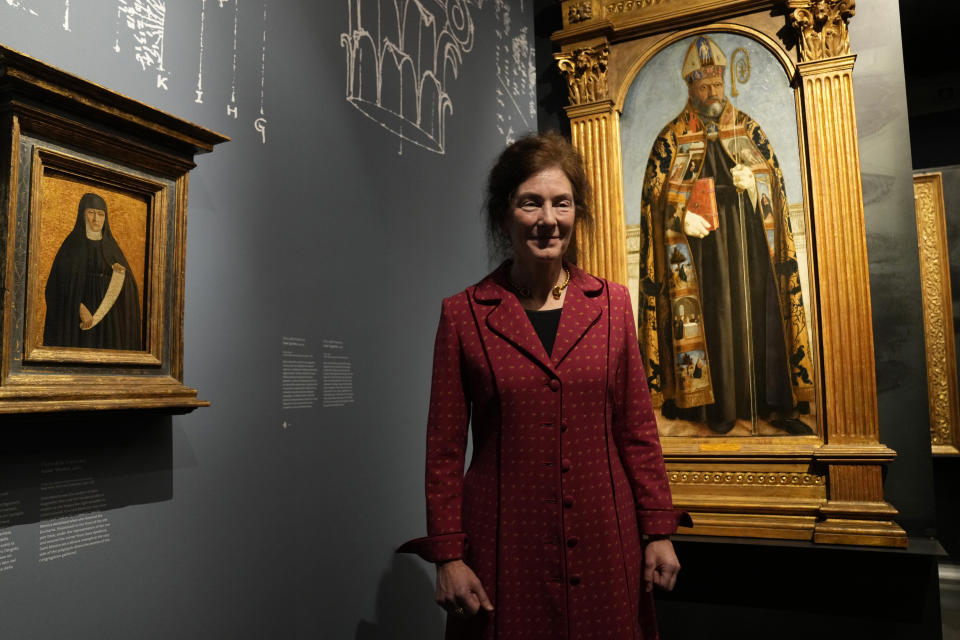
point(768, 43)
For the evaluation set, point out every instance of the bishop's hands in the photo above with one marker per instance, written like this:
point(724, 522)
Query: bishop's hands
point(660, 564)
point(743, 180)
point(459, 590)
point(695, 225)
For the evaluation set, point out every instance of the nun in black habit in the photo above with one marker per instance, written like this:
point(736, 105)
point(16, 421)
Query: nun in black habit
point(92, 297)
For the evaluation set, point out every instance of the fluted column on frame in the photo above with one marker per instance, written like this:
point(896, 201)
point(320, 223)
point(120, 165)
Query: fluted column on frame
point(595, 133)
point(856, 512)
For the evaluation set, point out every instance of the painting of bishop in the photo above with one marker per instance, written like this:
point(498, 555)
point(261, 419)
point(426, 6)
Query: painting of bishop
point(721, 318)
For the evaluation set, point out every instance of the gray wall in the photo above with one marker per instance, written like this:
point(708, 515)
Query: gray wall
point(245, 520)
point(894, 265)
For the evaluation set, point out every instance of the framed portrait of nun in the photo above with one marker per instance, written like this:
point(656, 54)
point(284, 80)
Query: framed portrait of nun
point(93, 292)
point(93, 221)
point(90, 271)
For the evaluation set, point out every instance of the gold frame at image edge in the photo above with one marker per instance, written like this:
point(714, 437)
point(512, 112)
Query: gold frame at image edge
point(601, 52)
point(937, 314)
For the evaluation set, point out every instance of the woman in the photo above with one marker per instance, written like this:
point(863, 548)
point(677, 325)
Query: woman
point(559, 527)
point(92, 298)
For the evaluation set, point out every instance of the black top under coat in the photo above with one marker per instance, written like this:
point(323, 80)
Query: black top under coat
point(546, 323)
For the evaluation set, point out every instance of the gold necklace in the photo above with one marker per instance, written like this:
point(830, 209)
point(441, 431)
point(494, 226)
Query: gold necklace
point(557, 289)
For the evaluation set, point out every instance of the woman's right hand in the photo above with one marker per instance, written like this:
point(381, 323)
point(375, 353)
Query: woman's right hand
point(459, 590)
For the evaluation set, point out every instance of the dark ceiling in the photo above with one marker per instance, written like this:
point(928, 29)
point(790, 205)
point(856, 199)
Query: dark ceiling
point(930, 30)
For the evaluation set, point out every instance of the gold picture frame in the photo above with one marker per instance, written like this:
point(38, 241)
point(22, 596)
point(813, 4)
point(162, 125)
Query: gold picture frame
point(937, 314)
point(826, 484)
point(93, 221)
point(54, 173)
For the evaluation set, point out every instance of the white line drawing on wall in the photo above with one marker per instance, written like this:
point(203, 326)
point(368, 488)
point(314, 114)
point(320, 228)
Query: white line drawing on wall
point(516, 76)
point(260, 124)
point(401, 57)
point(203, 23)
point(145, 20)
point(232, 106)
point(23, 6)
point(140, 28)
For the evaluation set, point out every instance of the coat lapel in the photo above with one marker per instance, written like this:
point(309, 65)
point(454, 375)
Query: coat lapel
point(508, 319)
point(581, 310)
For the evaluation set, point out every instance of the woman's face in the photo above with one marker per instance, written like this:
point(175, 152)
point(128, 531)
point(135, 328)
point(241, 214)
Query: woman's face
point(95, 218)
point(540, 223)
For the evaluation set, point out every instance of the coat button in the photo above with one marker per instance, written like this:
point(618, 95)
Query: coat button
point(568, 501)
point(565, 464)
point(572, 541)
point(563, 426)
point(554, 385)
point(574, 580)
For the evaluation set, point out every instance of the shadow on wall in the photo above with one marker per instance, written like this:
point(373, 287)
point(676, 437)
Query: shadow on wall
point(405, 607)
point(69, 465)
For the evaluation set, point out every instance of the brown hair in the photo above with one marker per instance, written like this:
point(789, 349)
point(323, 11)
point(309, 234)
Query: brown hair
point(525, 157)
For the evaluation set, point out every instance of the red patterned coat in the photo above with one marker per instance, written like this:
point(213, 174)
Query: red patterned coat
point(567, 471)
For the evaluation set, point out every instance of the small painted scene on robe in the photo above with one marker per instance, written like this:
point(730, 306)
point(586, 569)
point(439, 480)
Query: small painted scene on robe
point(92, 266)
point(717, 233)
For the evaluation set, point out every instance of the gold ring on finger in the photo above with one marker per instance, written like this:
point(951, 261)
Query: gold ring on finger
point(458, 611)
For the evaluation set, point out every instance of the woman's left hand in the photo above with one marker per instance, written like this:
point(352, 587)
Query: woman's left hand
point(660, 565)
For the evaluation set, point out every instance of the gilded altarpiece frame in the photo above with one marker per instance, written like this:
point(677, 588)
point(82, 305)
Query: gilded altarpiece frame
point(822, 482)
point(938, 321)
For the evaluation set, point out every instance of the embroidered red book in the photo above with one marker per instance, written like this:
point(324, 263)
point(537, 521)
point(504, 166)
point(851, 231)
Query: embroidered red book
point(703, 202)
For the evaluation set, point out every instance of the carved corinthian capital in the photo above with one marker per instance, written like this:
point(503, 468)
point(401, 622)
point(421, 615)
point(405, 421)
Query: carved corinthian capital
point(822, 27)
point(586, 73)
